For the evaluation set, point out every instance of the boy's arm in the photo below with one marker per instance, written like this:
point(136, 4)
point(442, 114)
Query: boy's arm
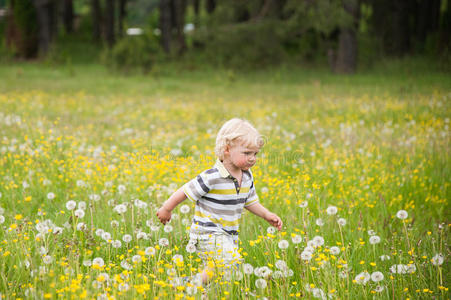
point(164, 213)
point(261, 211)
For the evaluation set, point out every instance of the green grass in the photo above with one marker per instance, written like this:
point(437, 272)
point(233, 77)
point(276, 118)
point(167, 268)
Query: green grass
point(392, 77)
point(370, 144)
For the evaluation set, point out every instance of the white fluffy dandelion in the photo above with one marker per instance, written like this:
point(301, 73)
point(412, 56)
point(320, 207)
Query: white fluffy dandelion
point(168, 228)
point(71, 204)
point(377, 276)
point(98, 261)
point(51, 196)
point(283, 244)
point(296, 239)
point(184, 209)
point(271, 230)
point(120, 208)
point(303, 204)
point(402, 214)
point(190, 248)
point(362, 278)
point(306, 255)
point(82, 205)
point(341, 222)
point(79, 213)
point(260, 283)
point(150, 251)
point(318, 240)
point(136, 259)
point(47, 259)
point(281, 265)
point(248, 269)
point(334, 250)
point(116, 244)
point(163, 242)
point(127, 238)
point(375, 239)
point(332, 210)
point(319, 222)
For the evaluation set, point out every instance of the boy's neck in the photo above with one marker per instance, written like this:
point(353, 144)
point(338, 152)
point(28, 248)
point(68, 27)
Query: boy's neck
point(234, 171)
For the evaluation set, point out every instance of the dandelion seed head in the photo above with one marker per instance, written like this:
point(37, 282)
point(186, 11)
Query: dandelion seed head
point(331, 210)
point(334, 250)
point(402, 214)
point(184, 209)
point(319, 222)
point(341, 221)
point(377, 276)
point(260, 283)
point(71, 204)
point(375, 239)
point(283, 244)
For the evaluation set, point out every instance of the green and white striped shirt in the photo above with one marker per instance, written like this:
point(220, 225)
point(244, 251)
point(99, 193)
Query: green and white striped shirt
point(219, 200)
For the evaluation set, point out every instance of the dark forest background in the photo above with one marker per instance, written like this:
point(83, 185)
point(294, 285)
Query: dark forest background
point(128, 34)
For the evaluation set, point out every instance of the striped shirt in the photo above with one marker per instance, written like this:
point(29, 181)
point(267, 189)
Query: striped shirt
point(219, 200)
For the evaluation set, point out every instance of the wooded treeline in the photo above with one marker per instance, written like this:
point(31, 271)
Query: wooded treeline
point(259, 30)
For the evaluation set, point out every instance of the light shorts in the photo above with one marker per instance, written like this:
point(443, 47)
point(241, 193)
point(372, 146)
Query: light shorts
point(217, 247)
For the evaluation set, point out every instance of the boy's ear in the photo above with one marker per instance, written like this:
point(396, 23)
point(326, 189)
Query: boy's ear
point(227, 149)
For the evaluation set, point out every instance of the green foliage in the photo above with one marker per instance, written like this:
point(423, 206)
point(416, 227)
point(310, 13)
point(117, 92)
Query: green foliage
point(246, 45)
point(133, 53)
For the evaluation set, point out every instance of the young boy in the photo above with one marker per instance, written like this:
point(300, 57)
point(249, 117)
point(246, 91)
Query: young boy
point(220, 193)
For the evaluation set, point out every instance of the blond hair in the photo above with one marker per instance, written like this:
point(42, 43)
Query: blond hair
point(237, 130)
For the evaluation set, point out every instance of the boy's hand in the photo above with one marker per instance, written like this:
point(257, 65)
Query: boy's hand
point(274, 220)
point(164, 215)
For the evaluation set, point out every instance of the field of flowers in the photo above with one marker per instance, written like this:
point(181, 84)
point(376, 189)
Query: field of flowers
point(361, 183)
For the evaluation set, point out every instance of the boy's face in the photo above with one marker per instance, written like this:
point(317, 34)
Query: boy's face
point(242, 156)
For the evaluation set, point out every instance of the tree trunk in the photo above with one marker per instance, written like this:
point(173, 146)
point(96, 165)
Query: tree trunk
point(22, 29)
point(180, 8)
point(165, 24)
point(122, 14)
point(210, 6)
point(196, 7)
point(45, 11)
point(427, 18)
point(96, 14)
point(109, 23)
point(400, 39)
point(346, 59)
point(68, 16)
point(347, 51)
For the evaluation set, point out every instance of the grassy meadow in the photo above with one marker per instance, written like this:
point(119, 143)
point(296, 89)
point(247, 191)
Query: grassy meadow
point(358, 168)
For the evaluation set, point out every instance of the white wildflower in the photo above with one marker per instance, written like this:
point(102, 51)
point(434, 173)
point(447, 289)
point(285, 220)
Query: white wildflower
point(79, 213)
point(331, 210)
point(127, 238)
point(402, 214)
point(362, 278)
point(71, 204)
point(341, 222)
point(377, 276)
point(283, 244)
point(260, 283)
point(319, 222)
point(334, 250)
point(184, 209)
point(375, 239)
